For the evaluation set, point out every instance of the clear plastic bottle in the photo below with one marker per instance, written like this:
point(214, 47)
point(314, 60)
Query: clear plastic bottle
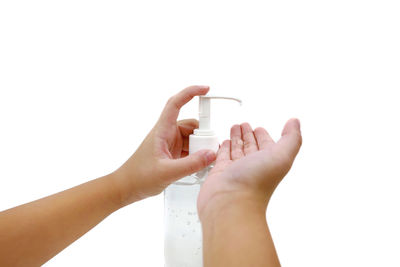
point(183, 236)
point(183, 246)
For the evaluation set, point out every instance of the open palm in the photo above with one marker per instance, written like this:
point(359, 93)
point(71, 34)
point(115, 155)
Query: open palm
point(251, 163)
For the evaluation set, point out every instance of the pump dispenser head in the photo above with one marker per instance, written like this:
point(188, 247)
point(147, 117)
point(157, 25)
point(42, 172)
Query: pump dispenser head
point(204, 137)
point(205, 113)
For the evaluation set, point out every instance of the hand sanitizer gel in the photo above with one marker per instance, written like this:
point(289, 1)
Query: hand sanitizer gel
point(183, 236)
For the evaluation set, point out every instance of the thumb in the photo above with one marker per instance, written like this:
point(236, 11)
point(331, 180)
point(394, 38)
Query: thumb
point(291, 138)
point(178, 168)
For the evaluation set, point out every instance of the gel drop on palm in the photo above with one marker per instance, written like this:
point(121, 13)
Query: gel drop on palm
point(183, 236)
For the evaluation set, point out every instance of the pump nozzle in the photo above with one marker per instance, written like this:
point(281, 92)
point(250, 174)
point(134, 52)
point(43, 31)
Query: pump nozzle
point(204, 113)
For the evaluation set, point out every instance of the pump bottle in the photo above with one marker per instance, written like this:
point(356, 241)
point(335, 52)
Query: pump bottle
point(182, 234)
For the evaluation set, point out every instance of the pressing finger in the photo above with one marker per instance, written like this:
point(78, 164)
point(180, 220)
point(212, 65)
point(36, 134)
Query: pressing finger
point(187, 126)
point(174, 104)
point(185, 144)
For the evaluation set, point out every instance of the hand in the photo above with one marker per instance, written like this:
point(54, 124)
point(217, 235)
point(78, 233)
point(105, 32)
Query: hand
point(163, 158)
point(249, 166)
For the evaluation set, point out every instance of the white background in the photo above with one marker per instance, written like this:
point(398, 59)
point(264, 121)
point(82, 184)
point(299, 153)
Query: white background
point(82, 82)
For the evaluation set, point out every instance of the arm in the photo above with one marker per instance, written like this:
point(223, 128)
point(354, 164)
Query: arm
point(33, 233)
point(236, 234)
point(235, 196)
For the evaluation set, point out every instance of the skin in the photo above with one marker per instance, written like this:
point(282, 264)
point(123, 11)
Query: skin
point(231, 203)
point(33, 233)
point(233, 200)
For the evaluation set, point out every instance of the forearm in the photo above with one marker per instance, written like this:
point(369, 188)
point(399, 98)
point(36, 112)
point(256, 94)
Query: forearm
point(237, 234)
point(33, 233)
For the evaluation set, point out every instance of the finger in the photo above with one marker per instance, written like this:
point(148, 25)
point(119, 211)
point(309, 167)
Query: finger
point(236, 143)
point(263, 138)
point(174, 104)
point(187, 126)
point(249, 141)
point(185, 145)
point(178, 168)
point(224, 152)
point(291, 138)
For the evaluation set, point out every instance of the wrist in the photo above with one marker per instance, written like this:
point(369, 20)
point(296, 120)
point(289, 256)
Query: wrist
point(227, 204)
point(125, 186)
